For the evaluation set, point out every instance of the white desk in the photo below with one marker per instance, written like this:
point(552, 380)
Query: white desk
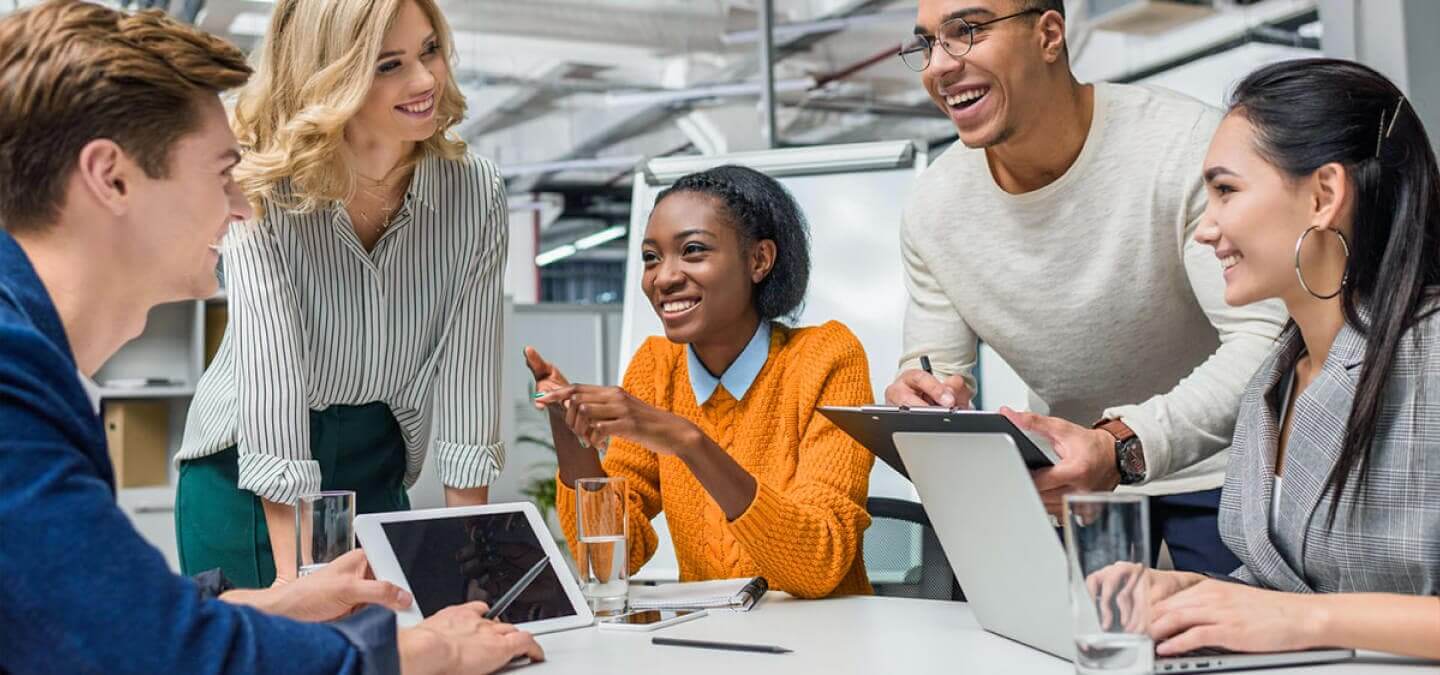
point(841, 635)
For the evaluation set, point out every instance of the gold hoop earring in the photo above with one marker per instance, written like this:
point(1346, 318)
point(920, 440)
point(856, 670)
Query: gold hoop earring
point(1300, 243)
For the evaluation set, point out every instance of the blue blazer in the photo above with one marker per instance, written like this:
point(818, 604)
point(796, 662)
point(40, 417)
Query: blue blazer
point(80, 591)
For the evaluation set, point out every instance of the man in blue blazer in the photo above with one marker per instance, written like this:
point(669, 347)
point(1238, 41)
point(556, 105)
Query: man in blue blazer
point(115, 162)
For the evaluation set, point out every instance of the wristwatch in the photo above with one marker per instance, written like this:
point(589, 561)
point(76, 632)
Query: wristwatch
point(1129, 456)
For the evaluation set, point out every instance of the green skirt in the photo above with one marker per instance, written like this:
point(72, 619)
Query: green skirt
point(217, 524)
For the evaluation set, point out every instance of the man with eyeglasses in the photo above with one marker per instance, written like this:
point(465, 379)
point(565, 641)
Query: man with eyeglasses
point(1058, 230)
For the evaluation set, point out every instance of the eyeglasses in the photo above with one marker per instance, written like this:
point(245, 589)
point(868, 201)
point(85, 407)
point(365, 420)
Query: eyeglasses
point(955, 37)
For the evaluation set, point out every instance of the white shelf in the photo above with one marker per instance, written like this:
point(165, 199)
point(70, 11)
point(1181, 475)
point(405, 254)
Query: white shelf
point(176, 391)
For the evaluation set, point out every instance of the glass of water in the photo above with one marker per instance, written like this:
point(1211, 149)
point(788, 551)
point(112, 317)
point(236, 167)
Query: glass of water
point(600, 515)
point(324, 529)
point(1107, 546)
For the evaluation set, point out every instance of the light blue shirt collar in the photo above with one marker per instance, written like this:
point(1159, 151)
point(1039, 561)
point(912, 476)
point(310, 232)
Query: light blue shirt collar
point(739, 376)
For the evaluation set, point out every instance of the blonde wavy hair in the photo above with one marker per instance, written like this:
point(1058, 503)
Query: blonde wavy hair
point(315, 69)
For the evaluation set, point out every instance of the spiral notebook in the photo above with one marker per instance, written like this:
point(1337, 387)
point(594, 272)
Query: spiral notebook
point(737, 594)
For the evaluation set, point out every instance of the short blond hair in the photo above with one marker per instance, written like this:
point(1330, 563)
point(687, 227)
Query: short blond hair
point(72, 72)
point(315, 70)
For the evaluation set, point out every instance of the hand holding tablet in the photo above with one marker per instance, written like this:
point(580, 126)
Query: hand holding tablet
point(450, 557)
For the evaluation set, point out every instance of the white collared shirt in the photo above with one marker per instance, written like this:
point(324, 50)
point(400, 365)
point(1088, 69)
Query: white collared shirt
point(92, 390)
point(316, 321)
point(739, 376)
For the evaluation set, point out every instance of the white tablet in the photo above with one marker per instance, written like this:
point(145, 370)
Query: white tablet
point(451, 556)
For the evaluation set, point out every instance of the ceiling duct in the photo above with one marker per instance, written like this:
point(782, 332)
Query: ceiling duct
point(1146, 17)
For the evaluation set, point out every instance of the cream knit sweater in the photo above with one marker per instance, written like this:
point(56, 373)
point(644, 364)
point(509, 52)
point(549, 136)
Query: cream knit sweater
point(1092, 287)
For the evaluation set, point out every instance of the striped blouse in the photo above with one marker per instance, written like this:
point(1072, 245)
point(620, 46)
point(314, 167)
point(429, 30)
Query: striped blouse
point(317, 321)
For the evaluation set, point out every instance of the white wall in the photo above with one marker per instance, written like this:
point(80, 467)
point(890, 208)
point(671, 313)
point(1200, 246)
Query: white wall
point(1104, 55)
point(1395, 37)
point(522, 278)
point(1212, 79)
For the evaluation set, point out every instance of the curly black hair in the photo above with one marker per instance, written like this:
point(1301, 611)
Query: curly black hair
point(760, 208)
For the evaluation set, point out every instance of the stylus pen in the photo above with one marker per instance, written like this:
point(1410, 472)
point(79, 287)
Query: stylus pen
point(729, 646)
point(925, 364)
point(505, 600)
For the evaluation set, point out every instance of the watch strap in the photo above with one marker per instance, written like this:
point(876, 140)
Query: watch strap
point(1129, 458)
point(1121, 431)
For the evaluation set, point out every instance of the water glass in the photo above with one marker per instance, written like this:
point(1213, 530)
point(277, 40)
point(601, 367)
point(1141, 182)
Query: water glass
point(324, 529)
point(1107, 546)
point(600, 527)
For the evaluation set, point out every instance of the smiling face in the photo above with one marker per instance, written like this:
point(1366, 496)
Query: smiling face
point(699, 276)
point(410, 77)
point(1255, 214)
point(984, 92)
point(177, 222)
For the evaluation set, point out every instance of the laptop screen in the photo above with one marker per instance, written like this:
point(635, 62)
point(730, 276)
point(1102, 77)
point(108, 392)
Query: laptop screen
point(449, 561)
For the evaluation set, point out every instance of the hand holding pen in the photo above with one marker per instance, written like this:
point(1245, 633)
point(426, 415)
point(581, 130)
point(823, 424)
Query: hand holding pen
point(921, 387)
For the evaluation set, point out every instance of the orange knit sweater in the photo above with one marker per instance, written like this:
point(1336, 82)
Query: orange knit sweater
point(804, 529)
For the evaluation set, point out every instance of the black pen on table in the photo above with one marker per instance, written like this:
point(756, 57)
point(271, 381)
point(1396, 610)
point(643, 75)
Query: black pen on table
point(505, 600)
point(728, 646)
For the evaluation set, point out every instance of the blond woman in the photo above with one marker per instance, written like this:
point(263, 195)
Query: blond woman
point(365, 296)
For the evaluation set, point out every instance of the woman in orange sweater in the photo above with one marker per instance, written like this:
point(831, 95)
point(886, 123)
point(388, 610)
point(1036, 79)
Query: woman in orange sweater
point(716, 423)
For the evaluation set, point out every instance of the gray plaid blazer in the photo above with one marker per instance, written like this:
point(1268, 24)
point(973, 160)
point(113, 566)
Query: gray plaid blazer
point(1386, 534)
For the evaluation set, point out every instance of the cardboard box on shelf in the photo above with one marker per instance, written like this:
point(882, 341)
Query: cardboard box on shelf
point(217, 314)
point(138, 432)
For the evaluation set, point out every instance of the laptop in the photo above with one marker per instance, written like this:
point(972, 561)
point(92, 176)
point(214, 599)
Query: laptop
point(999, 541)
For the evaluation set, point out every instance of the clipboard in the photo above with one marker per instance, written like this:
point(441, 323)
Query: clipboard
point(874, 426)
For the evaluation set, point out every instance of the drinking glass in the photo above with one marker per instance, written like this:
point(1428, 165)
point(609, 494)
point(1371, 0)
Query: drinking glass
point(324, 529)
point(1107, 546)
point(600, 527)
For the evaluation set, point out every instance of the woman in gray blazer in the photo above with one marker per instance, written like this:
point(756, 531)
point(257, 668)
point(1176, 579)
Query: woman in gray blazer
point(1324, 192)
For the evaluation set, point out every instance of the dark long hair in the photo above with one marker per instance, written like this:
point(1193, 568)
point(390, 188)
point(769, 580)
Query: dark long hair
point(1311, 112)
point(760, 208)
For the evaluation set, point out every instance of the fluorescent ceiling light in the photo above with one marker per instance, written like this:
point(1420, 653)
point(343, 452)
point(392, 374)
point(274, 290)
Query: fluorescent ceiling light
point(607, 234)
point(584, 243)
point(555, 254)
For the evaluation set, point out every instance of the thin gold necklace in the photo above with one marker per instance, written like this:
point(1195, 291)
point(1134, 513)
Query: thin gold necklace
point(381, 188)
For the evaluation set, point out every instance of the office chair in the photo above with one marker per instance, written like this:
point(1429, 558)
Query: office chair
point(902, 554)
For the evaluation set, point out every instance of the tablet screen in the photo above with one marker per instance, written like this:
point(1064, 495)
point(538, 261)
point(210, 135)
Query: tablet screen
point(449, 561)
